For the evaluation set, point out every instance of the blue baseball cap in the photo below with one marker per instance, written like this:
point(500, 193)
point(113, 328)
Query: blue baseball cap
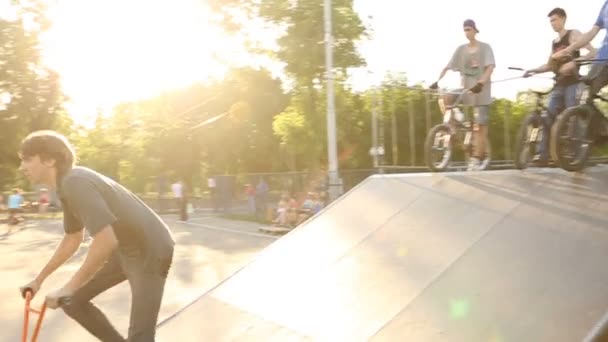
point(470, 23)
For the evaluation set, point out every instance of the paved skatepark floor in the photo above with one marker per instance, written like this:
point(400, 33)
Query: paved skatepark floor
point(208, 250)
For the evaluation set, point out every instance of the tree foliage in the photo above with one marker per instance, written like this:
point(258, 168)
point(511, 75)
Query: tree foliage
point(250, 122)
point(30, 93)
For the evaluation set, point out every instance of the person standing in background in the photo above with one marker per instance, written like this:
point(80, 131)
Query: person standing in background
point(180, 199)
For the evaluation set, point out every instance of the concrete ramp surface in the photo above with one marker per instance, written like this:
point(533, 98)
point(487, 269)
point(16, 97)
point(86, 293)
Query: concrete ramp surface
point(483, 256)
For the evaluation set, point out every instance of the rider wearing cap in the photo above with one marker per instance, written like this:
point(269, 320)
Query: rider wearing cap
point(475, 63)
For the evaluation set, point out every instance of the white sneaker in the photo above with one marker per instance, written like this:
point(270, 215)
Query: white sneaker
point(474, 164)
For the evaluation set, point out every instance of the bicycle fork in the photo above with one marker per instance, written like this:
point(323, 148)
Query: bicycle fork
point(26, 318)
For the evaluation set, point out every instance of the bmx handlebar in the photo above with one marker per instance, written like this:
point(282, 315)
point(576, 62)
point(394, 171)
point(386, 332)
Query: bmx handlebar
point(28, 293)
point(590, 61)
point(457, 91)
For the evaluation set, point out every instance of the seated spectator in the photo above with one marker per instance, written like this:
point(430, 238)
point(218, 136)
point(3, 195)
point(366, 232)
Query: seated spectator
point(287, 212)
point(282, 212)
point(318, 204)
point(307, 209)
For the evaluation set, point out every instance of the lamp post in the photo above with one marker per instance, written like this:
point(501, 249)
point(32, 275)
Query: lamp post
point(334, 181)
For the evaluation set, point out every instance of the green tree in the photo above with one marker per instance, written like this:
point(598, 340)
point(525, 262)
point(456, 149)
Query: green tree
point(142, 140)
point(302, 50)
point(30, 93)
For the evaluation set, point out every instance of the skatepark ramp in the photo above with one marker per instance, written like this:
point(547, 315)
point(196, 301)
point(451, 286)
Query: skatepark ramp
point(483, 256)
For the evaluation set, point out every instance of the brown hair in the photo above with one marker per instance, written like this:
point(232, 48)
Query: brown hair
point(50, 145)
point(557, 11)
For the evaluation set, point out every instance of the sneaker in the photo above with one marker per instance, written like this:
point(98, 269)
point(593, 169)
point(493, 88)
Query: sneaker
point(474, 164)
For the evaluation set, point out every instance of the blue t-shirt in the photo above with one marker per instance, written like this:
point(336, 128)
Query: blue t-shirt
point(602, 22)
point(14, 201)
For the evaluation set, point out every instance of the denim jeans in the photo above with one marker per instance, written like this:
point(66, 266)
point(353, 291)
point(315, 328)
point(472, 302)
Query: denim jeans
point(562, 97)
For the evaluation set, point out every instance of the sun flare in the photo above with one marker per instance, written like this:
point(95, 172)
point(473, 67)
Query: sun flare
point(112, 51)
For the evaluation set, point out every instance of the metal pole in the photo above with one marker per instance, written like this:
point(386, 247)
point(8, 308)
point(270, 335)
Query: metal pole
point(427, 108)
point(381, 126)
point(394, 133)
point(410, 106)
point(335, 183)
point(374, 148)
point(507, 132)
